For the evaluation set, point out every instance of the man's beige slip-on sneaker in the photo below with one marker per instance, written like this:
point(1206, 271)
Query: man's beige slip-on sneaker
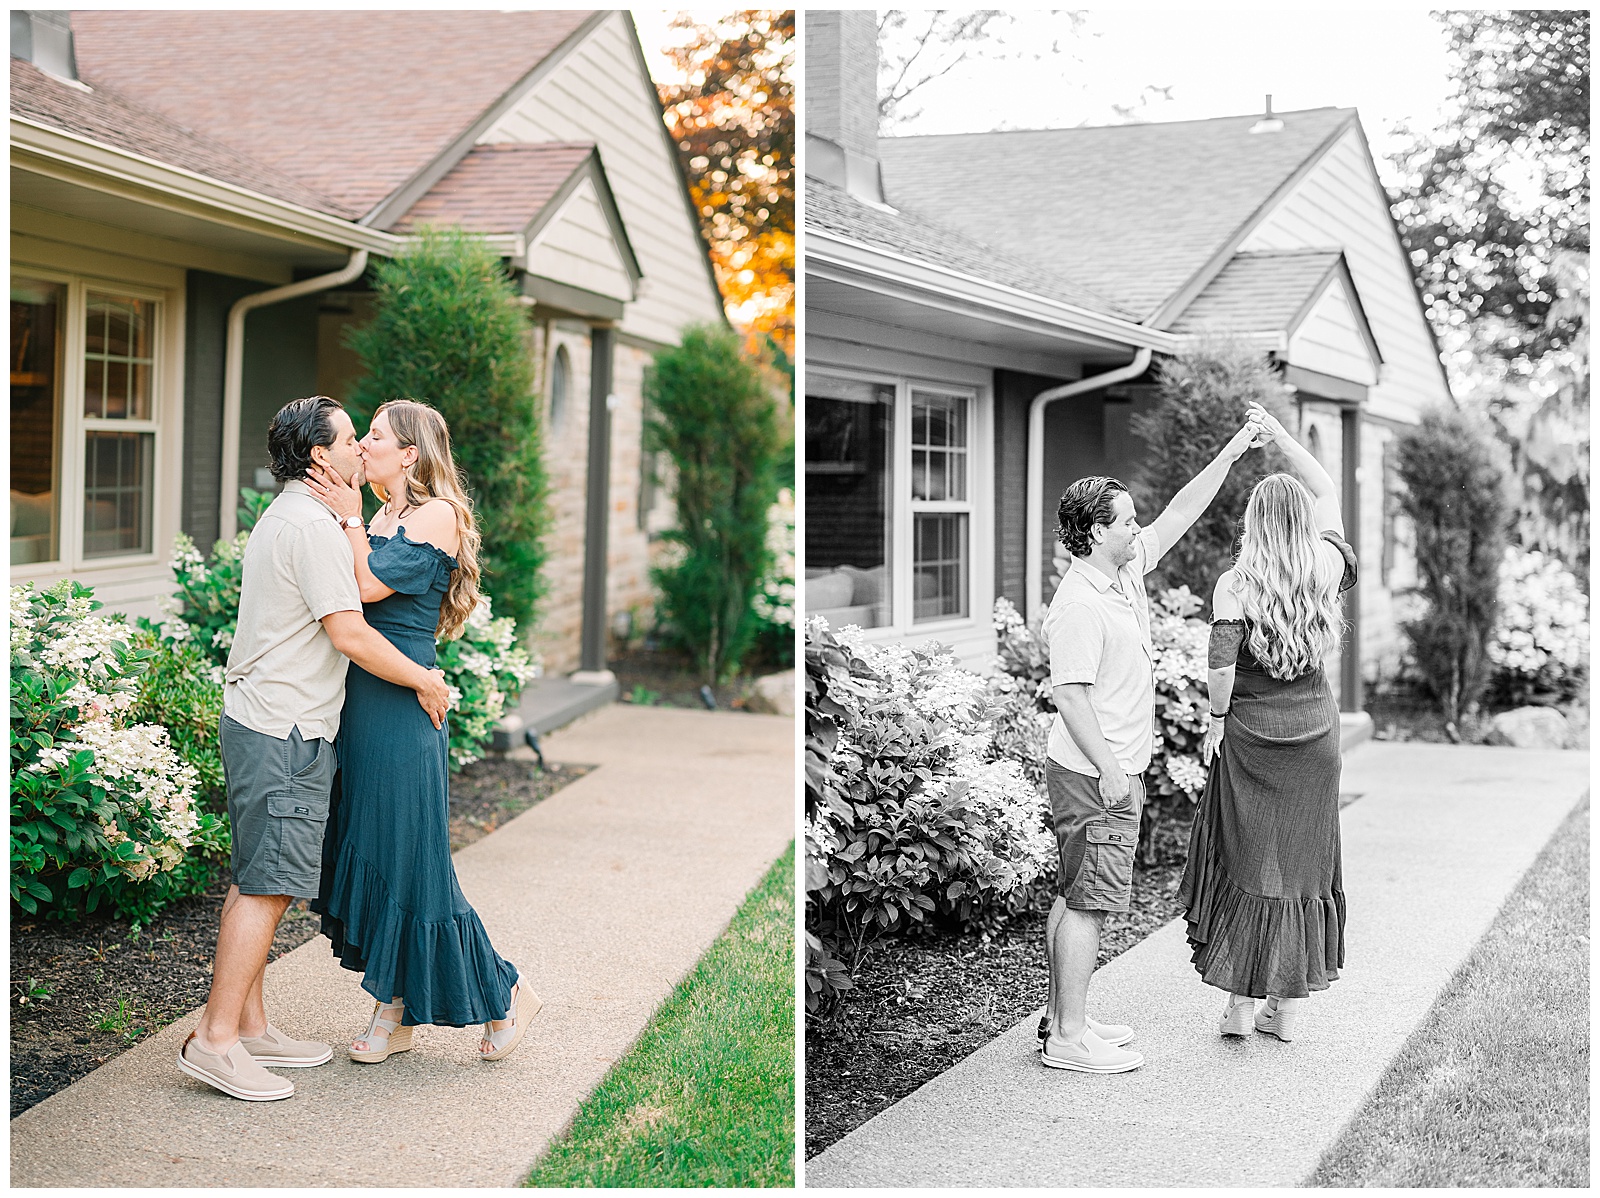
point(1094, 1055)
point(237, 1074)
point(276, 1051)
point(1114, 1034)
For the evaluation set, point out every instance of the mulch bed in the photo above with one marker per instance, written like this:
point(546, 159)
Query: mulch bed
point(922, 1003)
point(82, 993)
point(660, 677)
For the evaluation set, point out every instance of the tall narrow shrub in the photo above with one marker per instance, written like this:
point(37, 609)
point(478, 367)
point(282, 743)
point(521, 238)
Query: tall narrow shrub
point(1454, 476)
point(710, 409)
point(450, 332)
point(1202, 400)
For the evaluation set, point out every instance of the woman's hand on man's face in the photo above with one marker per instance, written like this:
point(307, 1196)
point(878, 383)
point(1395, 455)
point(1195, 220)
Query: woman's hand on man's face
point(342, 499)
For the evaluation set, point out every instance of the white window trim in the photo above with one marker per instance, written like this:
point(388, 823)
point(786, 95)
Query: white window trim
point(165, 422)
point(979, 504)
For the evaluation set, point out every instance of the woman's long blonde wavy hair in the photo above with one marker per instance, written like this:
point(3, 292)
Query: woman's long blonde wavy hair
point(434, 476)
point(1294, 618)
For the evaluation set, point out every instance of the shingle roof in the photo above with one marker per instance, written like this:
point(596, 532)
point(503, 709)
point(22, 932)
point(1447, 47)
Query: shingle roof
point(103, 116)
point(1257, 292)
point(835, 210)
point(497, 188)
point(1131, 211)
point(350, 103)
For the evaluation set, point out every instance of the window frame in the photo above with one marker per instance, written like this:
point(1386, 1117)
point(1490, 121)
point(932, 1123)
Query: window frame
point(75, 425)
point(901, 547)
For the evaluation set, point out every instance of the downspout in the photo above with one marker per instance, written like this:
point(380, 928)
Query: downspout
point(233, 377)
point(1033, 583)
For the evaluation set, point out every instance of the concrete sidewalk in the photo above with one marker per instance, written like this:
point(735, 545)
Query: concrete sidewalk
point(605, 895)
point(1433, 846)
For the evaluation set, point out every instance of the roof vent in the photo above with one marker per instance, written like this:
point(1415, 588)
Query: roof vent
point(44, 38)
point(1268, 123)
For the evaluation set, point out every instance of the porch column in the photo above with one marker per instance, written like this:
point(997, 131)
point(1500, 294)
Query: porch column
point(1350, 697)
point(592, 665)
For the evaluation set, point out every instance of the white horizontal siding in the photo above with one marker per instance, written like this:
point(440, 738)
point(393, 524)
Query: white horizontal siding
point(1330, 340)
point(577, 248)
point(1341, 203)
point(599, 94)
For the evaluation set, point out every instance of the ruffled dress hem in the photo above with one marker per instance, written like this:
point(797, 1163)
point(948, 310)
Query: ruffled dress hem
point(1246, 944)
point(414, 959)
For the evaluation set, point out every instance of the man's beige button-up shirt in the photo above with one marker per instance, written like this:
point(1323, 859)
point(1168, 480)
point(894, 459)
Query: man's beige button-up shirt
point(283, 671)
point(1099, 633)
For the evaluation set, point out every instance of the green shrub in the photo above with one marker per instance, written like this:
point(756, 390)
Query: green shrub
point(1453, 473)
point(775, 597)
point(207, 599)
point(449, 331)
point(1202, 401)
point(710, 410)
point(102, 808)
point(913, 818)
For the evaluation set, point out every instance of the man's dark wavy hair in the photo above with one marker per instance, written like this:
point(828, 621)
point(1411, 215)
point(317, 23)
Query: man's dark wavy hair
point(300, 424)
point(1084, 504)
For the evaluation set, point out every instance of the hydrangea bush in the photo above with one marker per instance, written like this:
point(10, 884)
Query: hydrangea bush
point(486, 669)
point(1540, 644)
point(774, 599)
point(101, 806)
point(205, 608)
point(913, 816)
point(1020, 693)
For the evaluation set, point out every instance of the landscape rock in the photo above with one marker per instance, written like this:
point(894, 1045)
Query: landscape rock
point(1529, 728)
point(772, 694)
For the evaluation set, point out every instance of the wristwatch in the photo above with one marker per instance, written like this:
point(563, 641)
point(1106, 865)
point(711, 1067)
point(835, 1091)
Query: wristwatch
point(352, 522)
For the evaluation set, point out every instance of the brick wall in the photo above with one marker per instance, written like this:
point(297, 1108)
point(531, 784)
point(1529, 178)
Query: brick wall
point(842, 78)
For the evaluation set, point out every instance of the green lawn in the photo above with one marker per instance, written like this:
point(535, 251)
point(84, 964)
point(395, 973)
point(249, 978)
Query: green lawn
point(1493, 1088)
point(706, 1096)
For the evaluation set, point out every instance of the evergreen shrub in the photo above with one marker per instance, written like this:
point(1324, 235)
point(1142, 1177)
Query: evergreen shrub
point(1203, 397)
point(1453, 473)
point(448, 331)
point(710, 409)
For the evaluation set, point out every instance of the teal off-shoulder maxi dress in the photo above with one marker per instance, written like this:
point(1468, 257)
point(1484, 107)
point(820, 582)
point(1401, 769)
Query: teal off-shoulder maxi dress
point(1263, 888)
point(389, 898)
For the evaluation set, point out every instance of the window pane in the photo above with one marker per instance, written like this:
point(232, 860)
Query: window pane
point(849, 427)
point(939, 427)
point(939, 568)
point(35, 420)
point(117, 357)
point(117, 493)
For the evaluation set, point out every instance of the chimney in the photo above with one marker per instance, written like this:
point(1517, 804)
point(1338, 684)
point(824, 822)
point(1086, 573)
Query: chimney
point(842, 100)
point(44, 38)
point(1268, 123)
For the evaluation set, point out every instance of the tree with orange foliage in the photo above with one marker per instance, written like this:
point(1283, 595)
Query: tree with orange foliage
point(733, 120)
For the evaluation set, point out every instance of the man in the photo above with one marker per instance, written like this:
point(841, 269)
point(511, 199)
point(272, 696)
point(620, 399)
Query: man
point(300, 625)
point(1102, 675)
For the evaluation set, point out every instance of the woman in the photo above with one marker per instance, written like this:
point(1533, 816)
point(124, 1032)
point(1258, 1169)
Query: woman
point(1262, 889)
point(389, 899)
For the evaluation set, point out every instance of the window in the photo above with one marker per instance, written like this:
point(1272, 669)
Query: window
point(849, 508)
point(37, 309)
point(889, 502)
point(560, 385)
point(941, 514)
point(84, 425)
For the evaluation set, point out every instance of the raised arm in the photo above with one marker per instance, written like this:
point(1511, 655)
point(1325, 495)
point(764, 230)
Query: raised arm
point(1196, 495)
point(1317, 481)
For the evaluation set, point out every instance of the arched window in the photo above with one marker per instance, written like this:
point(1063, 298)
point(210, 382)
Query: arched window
point(560, 385)
point(1314, 444)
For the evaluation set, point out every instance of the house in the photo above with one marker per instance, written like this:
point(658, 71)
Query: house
point(982, 312)
point(195, 197)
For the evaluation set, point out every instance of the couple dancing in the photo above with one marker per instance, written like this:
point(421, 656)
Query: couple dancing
point(337, 625)
point(1262, 891)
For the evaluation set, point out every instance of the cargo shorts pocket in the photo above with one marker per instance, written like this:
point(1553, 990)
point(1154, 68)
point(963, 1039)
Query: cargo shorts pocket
point(1105, 879)
point(299, 814)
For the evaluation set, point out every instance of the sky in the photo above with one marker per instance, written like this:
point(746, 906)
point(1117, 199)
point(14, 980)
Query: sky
point(1390, 64)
